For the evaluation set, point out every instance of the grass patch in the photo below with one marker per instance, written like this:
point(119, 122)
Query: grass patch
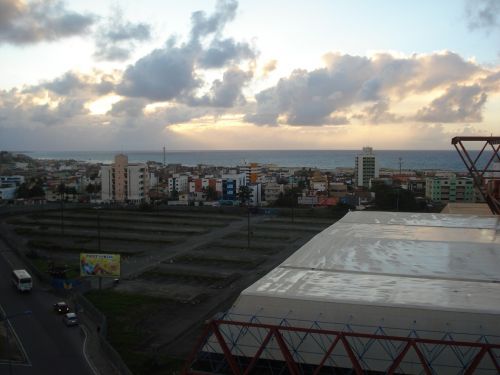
point(22, 231)
point(43, 266)
point(73, 235)
point(125, 226)
point(212, 260)
point(207, 279)
point(125, 312)
point(50, 246)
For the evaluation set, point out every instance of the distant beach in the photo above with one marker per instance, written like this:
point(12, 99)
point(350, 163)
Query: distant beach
point(323, 159)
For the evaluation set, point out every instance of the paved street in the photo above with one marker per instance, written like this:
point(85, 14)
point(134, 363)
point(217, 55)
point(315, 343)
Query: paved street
point(51, 347)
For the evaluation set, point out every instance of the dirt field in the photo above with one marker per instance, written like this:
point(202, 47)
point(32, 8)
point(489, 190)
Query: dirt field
point(192, 264)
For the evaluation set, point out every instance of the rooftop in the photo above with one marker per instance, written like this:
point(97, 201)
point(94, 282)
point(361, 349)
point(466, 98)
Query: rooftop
point(426, 261)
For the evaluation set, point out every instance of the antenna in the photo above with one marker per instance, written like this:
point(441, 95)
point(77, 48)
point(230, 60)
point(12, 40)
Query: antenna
point(400, 164)
point(163, 155)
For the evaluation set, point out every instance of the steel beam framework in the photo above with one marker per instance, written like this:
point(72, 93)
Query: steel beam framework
point(482, 173)
point(216, 341)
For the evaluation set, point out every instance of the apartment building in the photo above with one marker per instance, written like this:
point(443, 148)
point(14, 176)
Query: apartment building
point(179, 183)
point(449, 188)
point(124, 182)
point(272, 192)
point(252, 172)
point(365, 167)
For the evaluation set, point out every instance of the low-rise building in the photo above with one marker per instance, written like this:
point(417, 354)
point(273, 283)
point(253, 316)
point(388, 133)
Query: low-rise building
point(449, 188)
point(272, 192)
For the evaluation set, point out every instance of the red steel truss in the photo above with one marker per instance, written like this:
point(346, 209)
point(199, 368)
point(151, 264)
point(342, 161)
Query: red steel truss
point(482, 175)
point(214, 331)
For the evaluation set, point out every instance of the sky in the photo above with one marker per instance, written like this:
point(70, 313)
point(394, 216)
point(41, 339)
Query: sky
point(248, 74)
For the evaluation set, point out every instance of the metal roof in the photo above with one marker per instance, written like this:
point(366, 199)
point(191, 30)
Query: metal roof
point(427, 261)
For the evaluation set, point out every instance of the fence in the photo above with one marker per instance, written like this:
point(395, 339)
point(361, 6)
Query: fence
point(242, 347)
point(100, 321)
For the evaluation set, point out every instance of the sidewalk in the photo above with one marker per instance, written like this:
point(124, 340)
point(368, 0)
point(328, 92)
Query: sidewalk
point(92, 349)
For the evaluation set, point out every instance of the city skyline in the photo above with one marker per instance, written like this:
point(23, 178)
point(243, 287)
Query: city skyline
point(221, 75)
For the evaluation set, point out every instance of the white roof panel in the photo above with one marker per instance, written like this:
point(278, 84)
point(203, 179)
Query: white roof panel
point(432, 261)
point(394, 291)
point(422, 219)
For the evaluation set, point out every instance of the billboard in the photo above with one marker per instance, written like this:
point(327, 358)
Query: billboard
point(104, 265)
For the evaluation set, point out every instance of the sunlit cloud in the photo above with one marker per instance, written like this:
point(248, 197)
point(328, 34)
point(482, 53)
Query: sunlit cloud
point(102, 105)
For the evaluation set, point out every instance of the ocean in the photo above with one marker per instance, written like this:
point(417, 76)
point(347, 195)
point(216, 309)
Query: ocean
point(323, 159)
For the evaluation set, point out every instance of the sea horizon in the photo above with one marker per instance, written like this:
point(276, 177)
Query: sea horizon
point(321, 159)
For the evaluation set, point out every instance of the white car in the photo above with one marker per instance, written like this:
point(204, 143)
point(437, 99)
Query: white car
point(70, 319)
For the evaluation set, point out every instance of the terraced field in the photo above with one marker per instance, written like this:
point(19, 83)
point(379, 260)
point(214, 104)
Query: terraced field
point(191, 264)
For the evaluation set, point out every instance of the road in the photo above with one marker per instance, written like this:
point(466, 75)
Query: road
point(51, 347)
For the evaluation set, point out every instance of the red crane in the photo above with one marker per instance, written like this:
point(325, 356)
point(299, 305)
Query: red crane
point(481, 167)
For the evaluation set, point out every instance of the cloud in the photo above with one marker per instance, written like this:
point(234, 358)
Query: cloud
point(172, 73)
point(458, 104)
point(74, 84)
point(222, 52)
point(225, 92)
point(23, 23)
point(128, 108)
point(379, 113)
point(203, 25)
point(483, 14)
point(117, 38)
point(315, 97)
point(164, 74)
point(21, 110)
point(269, 67)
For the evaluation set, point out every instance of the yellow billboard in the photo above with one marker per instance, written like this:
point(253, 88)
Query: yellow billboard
point(104, 265)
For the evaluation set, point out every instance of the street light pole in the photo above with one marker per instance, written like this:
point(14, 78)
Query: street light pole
point(62, 216)
point(99, 231)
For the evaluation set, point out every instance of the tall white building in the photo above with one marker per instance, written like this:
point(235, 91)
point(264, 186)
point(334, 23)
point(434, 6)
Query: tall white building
point(365, 168)
point(124, 182)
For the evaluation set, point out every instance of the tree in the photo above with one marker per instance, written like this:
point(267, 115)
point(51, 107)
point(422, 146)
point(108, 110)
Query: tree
point(32, 189)
point(288, 198)
point(23, 191)
point(210, 193)
point(244, 194)
point(394, 198)
point(61, 189)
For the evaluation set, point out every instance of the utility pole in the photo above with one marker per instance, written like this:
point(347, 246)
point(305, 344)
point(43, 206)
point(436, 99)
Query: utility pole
point(99, 231)
point(62, 216)
point(398, 187)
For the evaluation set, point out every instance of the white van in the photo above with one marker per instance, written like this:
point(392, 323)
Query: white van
point(22, 280)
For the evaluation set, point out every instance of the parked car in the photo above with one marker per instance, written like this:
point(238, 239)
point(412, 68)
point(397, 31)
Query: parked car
point(61, 307)
point(70, 319)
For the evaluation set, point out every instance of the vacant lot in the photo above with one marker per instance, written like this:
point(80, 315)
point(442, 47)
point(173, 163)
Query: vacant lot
point(178, 268)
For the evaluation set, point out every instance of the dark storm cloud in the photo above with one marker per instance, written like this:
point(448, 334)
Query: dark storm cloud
point(315, 97)
point(24, 23)
point(483, 14)
point(458, 104)
point(117, 38)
